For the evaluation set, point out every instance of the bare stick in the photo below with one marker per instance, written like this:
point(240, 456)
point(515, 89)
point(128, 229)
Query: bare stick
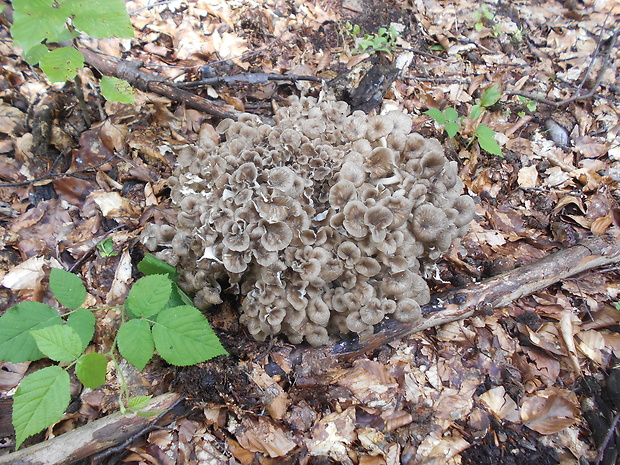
point(92, 438)
point(496, 292)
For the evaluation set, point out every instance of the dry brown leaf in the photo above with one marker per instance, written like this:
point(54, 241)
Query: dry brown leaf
point(264, 437)
point(549, 411)
point(528, 177)
point(501, 404)
point(332, 434)
point(591, 344)
point(26, 275)
point(11, 374)
point(271, 393)
point(370, 383)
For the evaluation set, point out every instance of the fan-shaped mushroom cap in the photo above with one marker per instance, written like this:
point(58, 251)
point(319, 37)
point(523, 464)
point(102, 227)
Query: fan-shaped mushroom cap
point(395, 284)
point(407, 311)
point(318, 311)
point(380, 162)
point(466, 208)
point(349, 253)
point(372, 313)
point(355, 323)
point(316, 335)
point(378, 126)
point(354, 172)
point(429, 222)
point(277, 236)
point(368, 267)
point(234, 236)
point(354, 218)
point(342, 193)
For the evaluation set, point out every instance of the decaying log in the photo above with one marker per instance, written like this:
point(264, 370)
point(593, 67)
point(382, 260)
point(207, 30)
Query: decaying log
point(149, 82)
point(496, 292)
point(92, 438)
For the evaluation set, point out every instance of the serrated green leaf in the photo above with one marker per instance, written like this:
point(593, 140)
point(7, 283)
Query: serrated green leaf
point(150, 265)
point(451, 115)
point(437, 115)
point(16, 343)
point(116, 90)
point(183, 336)
point(452, 128)
point(100, 18)
point(40, 401)
point(37, 20)
point(59, 342)
point(487, 141)
point(138, 402)
point(83, 322)
point(67, 288)
point(135, 342)
point(62, 64)
point(34, 55)
point(91, 370)
point(149, 295)
point(475, 112)
point(490, 96)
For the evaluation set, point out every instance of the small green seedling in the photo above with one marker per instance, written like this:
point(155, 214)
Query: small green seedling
point(451, 121)
point(37, 24)
point(106, 248)
point(383, 41)
point(530, 104)
point(157, 316)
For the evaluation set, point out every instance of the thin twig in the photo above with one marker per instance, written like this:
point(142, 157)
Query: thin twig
point(249, 78)
point(577, 96)
point(50, 175)
point(610, 432)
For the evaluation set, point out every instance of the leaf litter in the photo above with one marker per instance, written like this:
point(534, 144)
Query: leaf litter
point(513, 387)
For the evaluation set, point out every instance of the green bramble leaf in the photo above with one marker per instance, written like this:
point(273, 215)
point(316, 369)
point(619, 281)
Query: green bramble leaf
point(116, 90)
point(91, 370)
point(150, 265)
point(16, 343)
point(40, 401)
point(37, 20)
point(138, 402)
point(83, 322)
point(184, 337)
point(451, 114)
point(62, 64)
point(59, 342)
point(475, 112)
point(490, 96)
point(452, 128)
point(67, 288)
point(34, 55)
point(135, 342)
point(148, 296)
point(487, 141)
point(437, 115)
point(100, 18)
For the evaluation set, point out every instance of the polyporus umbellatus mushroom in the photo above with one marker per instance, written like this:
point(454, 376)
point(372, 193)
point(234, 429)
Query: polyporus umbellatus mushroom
point(323, 223)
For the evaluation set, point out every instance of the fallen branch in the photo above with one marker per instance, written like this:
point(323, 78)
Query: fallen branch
point(148, 82)
point(499, 291)
point(248, 78)
point(92, 438)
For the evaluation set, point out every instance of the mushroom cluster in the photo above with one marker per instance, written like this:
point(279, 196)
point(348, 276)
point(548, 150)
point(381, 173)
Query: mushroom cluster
point(323, 223)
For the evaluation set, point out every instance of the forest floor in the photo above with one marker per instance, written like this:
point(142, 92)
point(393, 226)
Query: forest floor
point(535, 382)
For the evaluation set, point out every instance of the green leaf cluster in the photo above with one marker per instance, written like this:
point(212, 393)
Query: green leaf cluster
point(39, 23)
point(383, 41)
point(158, 317)
point(451, 121)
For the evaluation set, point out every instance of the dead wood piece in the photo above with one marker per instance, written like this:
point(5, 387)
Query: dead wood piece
point(498, 291)
point(92, 438)
point(148, 82)
point(248, 78)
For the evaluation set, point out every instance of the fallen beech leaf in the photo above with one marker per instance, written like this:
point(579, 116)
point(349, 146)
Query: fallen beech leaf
point(528, 176)
point(332, 434)
point(501, 404)
point(549, 411)
point(25, 275)
point(264, 437)
point(591, 343)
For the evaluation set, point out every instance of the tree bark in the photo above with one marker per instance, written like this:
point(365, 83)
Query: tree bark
point(92, 438)
point(498, 291)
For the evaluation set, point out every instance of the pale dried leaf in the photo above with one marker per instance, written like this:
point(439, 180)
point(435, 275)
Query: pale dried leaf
point(501, 404)
point(549, 411)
